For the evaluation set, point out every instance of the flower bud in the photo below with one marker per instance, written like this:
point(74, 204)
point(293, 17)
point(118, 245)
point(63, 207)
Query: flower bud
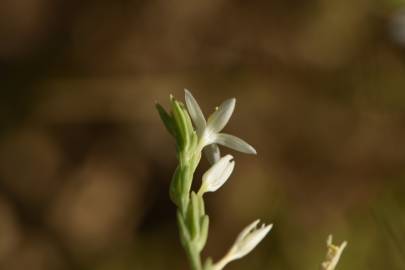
point(246, 241)
point(217, 175)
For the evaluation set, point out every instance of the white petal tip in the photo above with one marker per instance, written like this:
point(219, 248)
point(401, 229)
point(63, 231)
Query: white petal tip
point(252, 151)
point(254, 223)
point(267, 227)
point(228, 157)
point(329, 239)
point(232, 101)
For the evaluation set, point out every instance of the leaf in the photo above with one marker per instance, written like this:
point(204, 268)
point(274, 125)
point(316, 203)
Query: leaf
point(182, 122)
point(180, 125)
point(166, 119)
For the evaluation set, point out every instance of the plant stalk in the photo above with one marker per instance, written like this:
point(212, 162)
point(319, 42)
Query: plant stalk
point(190, 246)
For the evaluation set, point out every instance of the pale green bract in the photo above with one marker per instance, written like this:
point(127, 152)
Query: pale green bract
point(192, 220)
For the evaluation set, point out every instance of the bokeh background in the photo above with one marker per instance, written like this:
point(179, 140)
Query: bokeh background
point(85, 162)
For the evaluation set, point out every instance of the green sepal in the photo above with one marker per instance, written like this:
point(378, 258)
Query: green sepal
point(166, 119)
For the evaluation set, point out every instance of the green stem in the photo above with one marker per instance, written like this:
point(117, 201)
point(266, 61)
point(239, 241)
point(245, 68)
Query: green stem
point(195, 258)
point(190, 246)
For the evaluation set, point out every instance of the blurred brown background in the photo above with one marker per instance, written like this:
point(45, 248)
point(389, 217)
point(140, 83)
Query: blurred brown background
point(85, 162)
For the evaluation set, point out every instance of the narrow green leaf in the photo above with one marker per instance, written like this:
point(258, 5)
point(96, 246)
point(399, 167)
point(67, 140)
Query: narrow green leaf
point(166, 119)
point(180, 120)
point(187, 118)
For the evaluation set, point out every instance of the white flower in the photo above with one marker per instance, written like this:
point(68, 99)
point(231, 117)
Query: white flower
point(209, 131)
point(246, 241)
point(217, 175)
point(333, 254)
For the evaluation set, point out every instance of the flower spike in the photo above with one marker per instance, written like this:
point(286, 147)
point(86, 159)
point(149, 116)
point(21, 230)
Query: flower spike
point(193, 135)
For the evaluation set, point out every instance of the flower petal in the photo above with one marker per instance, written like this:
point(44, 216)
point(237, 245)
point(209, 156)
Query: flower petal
point(246, 241)
point(195, 112)
point(252, 240)
point(234, 143)
point(220, 181)
point(212, 153)
point(217, 175)
point(221, 116)
point(247, 230)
